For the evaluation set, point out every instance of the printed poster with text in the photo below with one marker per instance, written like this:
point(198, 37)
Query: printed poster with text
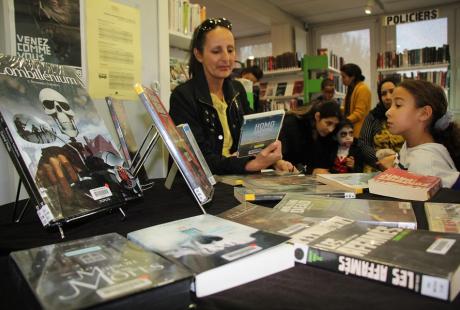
point(48, 30)
point(114, 55)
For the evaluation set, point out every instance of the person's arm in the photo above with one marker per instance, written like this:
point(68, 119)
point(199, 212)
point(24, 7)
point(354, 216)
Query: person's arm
point(362, 104)
point(366, 140)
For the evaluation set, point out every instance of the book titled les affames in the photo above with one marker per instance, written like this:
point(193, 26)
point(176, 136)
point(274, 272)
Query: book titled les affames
point(424, 262)
point(222, 254)
point(99, 271)
point(258, 131)
point(59, 145)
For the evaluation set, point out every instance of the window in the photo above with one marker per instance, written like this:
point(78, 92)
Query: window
point(414, 35)
point(353, 46)
point(256, 50)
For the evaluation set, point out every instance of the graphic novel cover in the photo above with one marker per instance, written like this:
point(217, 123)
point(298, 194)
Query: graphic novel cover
point(58, 143)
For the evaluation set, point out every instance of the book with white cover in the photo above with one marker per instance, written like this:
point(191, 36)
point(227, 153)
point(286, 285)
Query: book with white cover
point(378, 212)
point(258, 131)
point(221, 253)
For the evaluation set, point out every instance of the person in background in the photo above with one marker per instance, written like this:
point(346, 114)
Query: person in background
point(348, 156)
point(358, 98)
point(432, 147)
point(308, 139)
point(211, 102)
point(253, 73)
point(375, 136)
point(327, 92)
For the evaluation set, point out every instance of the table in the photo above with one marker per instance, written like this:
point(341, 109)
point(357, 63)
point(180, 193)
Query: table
point(301, 287)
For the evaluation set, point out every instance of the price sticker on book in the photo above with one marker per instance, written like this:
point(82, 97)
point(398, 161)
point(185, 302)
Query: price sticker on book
point(45, 215)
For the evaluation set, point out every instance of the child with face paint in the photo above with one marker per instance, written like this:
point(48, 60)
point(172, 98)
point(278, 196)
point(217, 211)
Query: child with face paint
point(348, 157)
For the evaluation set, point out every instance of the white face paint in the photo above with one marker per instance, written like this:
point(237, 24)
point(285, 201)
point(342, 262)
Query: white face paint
point(345, 136)
point(57, 106)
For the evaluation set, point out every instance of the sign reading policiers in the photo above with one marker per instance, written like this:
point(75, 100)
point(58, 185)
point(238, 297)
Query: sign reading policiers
point(418, 16)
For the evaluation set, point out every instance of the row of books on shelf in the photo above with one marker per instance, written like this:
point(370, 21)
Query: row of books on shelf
point(280, 104)
point(270, 90)
point(163, 264)
point(184, 16)
point(334, 60)
point(269, 63)
point(414, 57)
point(440, 78)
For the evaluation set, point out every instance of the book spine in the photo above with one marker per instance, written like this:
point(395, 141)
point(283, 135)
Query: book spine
point(420, 283)
point(19, 164)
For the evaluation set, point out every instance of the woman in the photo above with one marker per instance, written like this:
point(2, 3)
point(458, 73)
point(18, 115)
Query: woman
point(358, 98)
point(375, 136)
point(307, 138)
point(213, 104)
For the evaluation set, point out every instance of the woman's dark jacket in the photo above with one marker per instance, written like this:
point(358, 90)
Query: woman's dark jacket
point(191, 103)
point(301, 149)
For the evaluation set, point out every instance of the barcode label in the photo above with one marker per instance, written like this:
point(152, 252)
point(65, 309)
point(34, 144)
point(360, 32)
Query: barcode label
point(123, 288)
point(200, 194)
point(45, 215)
point(435, 287)
point(242, 252)
point(349, 195)
point(100, 192)
point(441, 246)
point(292, 229)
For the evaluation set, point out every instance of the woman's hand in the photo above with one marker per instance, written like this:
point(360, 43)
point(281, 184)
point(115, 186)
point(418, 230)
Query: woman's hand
point(283, 165)
point(320, 171)
point(386, 162)
point(267, 157)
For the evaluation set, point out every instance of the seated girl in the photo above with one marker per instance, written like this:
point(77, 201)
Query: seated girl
point(419, 113)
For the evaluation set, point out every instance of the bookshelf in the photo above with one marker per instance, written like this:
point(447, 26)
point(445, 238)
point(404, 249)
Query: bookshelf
point(429, 63)
point(315, 69)
point(179, 40)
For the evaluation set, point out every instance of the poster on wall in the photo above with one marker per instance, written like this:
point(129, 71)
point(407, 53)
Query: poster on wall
point(113, 49)
point(48, 30)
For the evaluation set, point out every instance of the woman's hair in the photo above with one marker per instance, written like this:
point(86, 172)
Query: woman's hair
point(354, 71)
point(392, 79)
point(199, 38)
point(426, 93)
point(326, 109)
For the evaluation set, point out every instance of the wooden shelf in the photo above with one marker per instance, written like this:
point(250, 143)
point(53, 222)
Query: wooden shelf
point(281, 97)
point(415, 68)
point(282, 72)
point(179, 40)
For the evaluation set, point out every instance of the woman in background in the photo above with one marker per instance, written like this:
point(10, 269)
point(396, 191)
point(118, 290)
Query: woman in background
point(307, 137)
point(212, 103)
point(375, 136)
point(358, 98)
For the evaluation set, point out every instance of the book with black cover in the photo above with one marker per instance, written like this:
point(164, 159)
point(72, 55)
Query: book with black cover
point(60, 146)
point(378, 212)
point(184, 157)
point(222, 254)
point(94, 271)
point(268, 219)
point(443, 217)
point(424, 262)
point(258, 131)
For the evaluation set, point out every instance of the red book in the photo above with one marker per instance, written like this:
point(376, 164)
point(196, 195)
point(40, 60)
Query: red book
point(403, 184)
